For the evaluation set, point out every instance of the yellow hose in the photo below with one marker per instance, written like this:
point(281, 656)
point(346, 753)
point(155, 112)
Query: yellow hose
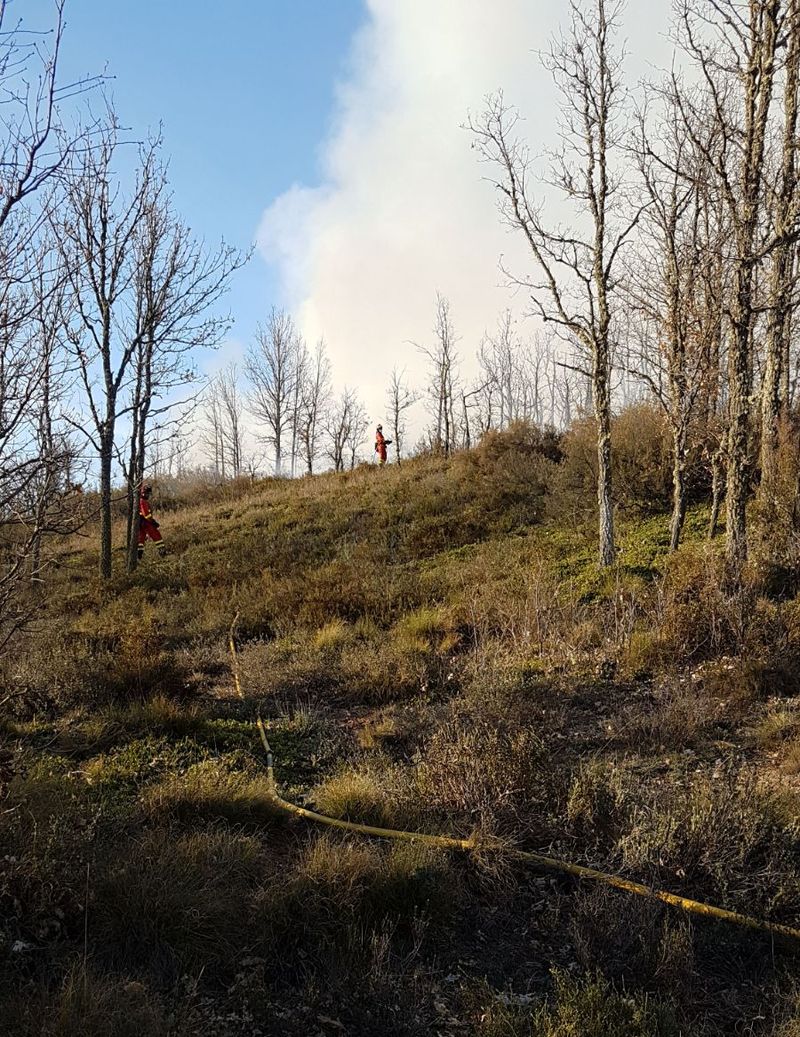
point(538, 860)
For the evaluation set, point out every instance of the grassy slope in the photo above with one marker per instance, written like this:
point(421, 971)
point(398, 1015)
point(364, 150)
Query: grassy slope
point(426, 657)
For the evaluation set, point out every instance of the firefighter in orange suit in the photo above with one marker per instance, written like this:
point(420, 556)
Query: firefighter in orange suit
point(380, 445)
point(148, 527)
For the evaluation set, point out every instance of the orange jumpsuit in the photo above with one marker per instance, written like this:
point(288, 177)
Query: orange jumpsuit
point(380, 447)
point(148, 530)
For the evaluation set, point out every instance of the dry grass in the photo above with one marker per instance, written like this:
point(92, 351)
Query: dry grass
point(369, 794)
point(591, 1008)
point(428, 653)
point(89, 1005)
point(209, 791)
point(790, 762)
point(175, 902)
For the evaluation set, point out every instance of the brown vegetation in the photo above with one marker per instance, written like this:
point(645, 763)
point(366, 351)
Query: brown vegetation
point(437, 651)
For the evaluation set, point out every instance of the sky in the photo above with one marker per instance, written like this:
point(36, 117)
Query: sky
point(329, 134)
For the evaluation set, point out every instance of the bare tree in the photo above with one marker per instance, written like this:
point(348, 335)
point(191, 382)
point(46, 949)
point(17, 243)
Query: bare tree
point(345, 427)
point(500, 358)
point(271, 368)
point(357, 429)
point(38, 463)
point(443, 360)
point(399, 399)
point(175, 285)
point(211, 427)
point(222, 413)
point(579, 284)
point(232, 410)
point(512, 376)
point(37, 458)
point(314, 397)
point(733, 48)
point(97, 228)
point(302, 362)
point(669, 279)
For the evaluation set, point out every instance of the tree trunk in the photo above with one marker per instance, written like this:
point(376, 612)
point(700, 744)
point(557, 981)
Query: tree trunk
point(397, 434)
point(678, 487)
point(717, 485)
point(774, 398)
point(106, 457)
point(602, 405)
point(737, 444)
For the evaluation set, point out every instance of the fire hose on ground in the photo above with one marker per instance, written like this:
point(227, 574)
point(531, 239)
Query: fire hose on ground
point(537, 860)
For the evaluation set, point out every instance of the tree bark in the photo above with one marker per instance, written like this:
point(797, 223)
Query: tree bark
point(678, 487)
point(106, 459)
point(774, 391)
point(602, 404)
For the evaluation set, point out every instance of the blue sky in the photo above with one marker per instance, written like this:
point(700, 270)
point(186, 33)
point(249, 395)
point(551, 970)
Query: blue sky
point(245, 91)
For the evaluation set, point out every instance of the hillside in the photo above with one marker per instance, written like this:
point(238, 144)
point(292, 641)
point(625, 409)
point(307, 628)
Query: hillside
point(432, 648)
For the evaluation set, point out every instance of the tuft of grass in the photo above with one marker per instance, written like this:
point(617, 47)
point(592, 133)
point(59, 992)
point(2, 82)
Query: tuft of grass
point(341, 889)
point(210, 792)
point(176, 902)
point(790, 763)
point(365, 794)
point(424, 630)
point(578, 1008)
point(776, 726)
point(333, 635)
point(482, 771)
point(722, 837)
point(681, 714)
point(597, 805)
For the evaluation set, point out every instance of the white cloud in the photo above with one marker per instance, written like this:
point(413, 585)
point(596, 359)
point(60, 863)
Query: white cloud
point(403, 211)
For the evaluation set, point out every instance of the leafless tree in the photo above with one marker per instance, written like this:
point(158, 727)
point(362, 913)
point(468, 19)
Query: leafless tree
point(399, 398)
point(512, 376)
point(37, 458)
point(221, 423)
point(175, 286)
point(38, 461)
point(232, 409)
point(578, 287)
point(672, 281)
point(733, 48)
point(443, 384)
point(97, 227)
point(271, 368)
point(314, 398)
point(345, 427)
point(357, 429)
point(211, 429)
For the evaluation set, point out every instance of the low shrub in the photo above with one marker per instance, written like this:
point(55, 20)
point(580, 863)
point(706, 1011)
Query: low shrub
point(642, 466)
point(721, 837)
point(476, 771)
point(339, 889)
point(598, 806)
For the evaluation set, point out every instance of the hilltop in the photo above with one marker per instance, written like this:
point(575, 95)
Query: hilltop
point(432, 648)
